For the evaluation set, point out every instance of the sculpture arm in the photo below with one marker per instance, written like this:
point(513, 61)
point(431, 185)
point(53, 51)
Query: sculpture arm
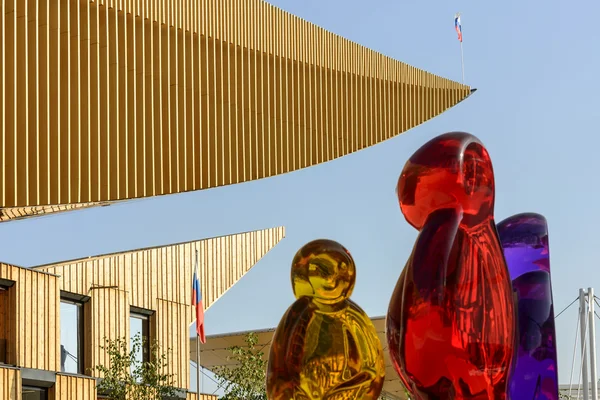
point(369, 345)
point(430, 261)
point(286, 355)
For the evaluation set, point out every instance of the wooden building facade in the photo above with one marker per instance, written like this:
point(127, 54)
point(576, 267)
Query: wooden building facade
point(150, 287)
point(109, 100)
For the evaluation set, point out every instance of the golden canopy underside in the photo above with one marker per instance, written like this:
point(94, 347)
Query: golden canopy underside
point(13, 213)
point(112, 100)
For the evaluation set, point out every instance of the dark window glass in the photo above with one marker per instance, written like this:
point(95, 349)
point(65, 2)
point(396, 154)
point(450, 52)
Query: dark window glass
point(4, 328)
point(33, 393)
point(71, 337)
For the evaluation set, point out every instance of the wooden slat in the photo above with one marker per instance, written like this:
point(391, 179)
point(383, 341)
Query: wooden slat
point(170, 326)
point(106, 103)
point(10, 384)
point(69, 387)
point(106, 317)
point(33, 318)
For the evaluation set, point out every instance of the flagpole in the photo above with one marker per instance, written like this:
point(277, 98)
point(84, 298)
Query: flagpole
point(197, 349)
point(462, 62)
point(198, 365)
point(458, 27)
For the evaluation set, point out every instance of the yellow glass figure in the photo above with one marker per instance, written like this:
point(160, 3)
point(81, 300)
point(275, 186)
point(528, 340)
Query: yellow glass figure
point(325, 346)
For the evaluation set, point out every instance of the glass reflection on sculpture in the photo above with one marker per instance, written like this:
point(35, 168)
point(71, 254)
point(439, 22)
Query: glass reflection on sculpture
point(450, 324)
point(524, 238)
point(325, 346)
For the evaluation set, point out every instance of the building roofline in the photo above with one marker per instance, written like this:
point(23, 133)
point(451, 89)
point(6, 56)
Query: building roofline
point(116, 253)
point(29, 269)
point(262, 330)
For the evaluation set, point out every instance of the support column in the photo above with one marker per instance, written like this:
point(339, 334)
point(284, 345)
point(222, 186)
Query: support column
point(592, 323)
point(584, 365)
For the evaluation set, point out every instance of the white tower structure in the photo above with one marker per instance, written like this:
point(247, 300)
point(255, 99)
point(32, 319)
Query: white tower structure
point(587, 319)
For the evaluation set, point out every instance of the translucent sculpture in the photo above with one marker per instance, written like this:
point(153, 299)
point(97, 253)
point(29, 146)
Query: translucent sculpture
point(451, 322)
point(524, 238)
point(325, 346)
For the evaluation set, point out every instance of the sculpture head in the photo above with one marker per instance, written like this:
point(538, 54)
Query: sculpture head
point(323, 270)
point(453, 170)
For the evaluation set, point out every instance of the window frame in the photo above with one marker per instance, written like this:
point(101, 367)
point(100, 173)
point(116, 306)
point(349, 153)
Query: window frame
point(79, 301)
point(5, 286)
point(143, 315)
point(42, 390)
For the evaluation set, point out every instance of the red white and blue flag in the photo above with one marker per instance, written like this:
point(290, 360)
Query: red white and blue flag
point(197, 302)
point(458, 27)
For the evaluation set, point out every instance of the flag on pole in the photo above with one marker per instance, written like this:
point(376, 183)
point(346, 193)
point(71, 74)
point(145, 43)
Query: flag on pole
point(458, 26)
point(197, 302)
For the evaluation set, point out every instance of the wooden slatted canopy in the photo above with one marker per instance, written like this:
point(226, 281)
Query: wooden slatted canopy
point(214, 353)
point(111, 100)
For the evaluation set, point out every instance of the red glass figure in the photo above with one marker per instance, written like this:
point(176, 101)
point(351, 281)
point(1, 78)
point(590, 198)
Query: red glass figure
point(451, 322)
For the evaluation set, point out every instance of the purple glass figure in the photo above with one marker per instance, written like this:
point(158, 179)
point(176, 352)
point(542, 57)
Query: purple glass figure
point(524, 238)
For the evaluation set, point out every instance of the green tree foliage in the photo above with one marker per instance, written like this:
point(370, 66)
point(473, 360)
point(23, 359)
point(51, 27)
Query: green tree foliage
point(384, 396)
point(247, 379)
point(127, 378)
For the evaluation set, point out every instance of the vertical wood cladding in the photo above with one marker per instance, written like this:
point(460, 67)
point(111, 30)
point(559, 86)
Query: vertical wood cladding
point(34, 324)
point(106, 317)
point(121, 99)
point(165, 272)
point(69, 387)
point(10, 384)
point(170, 326)
point(158, 279)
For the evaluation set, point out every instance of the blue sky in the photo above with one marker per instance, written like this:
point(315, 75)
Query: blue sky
point(537, 110)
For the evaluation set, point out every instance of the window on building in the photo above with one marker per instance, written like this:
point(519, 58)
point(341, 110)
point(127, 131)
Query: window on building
point(33, 393)
point(6, 333)
point(139, 324)
point(71, 336)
